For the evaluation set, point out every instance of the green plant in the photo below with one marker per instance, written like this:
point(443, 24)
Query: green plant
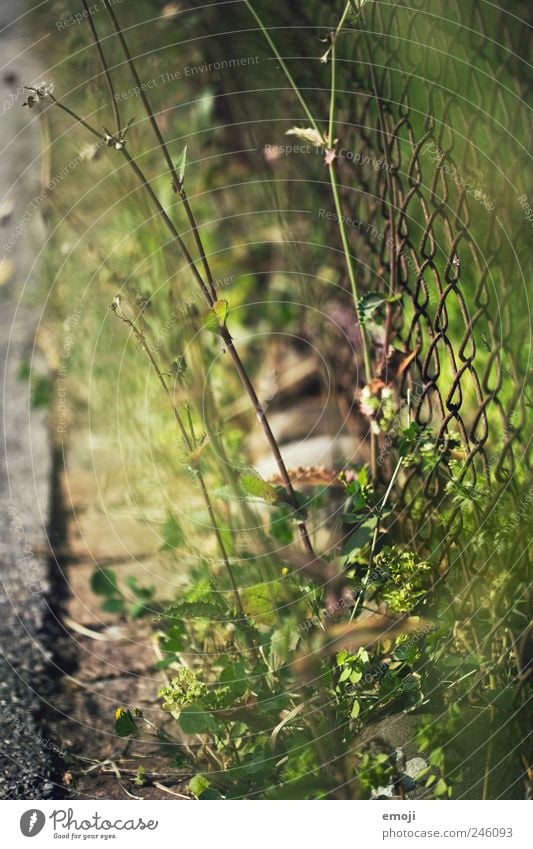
point(104, 583)
point(276, 660)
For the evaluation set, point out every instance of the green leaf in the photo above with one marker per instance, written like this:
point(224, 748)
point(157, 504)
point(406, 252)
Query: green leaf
point(173, 639)
point(195, 610)
point(144, 593)
point(283, 641)
point(259, 602)
point(211, 794)
point(113, 605)
point(234, 676)
point(195, 720)
point(369, 303)
point(440, 788)
point(256, 486)
point(356, 709)
point(104, 582)
point(281, 527)
point(405, 652)
point(139, 609)
point(198, 785)
point(360, 537)
point(215, 318)
point(180, 167)
point(345, 674)
point(172, 534)
point(165, 663)
point(42, 392)
point(125, 725)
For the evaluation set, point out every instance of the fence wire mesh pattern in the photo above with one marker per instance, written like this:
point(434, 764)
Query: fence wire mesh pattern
point(441, 194)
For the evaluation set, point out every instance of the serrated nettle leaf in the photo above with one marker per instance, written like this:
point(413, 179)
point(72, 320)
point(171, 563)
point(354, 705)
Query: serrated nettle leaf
point(234, 676)
point(173, 639)
point(256, 486)
point(195, 610)
point(259, 602)
point(307, 134)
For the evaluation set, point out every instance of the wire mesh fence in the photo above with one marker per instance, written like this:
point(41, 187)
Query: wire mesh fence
point(444, 197)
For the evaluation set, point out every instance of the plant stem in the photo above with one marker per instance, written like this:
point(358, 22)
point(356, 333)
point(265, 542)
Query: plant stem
point(334, 185)
point(190, 443)
point(338, 206)
point(76, 117)
point(162, 145)
point(239, 366)
point(283, 66)
point(375, 535)
point(351, 272)
point(365, 344)
point(271, 439)
point(170, 226)
point(210, 293)
point(199, 242)
point(333, 73)
point(490, 744)
point(247, 384)
point(105, 69)
point(140, 88)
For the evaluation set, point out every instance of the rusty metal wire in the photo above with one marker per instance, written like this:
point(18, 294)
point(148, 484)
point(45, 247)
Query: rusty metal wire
point(453, 258)
point(439, 109)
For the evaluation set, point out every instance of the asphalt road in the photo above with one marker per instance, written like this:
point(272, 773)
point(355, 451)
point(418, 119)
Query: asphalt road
point(27, 761)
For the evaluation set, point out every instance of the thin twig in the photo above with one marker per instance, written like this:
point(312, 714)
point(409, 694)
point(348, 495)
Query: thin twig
point(338, 206)
point(210, 294)
point(163, 146)
point(105, 69)
point(170, 226)
point(140, 88)
point(283, 66)
point(77, 118)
